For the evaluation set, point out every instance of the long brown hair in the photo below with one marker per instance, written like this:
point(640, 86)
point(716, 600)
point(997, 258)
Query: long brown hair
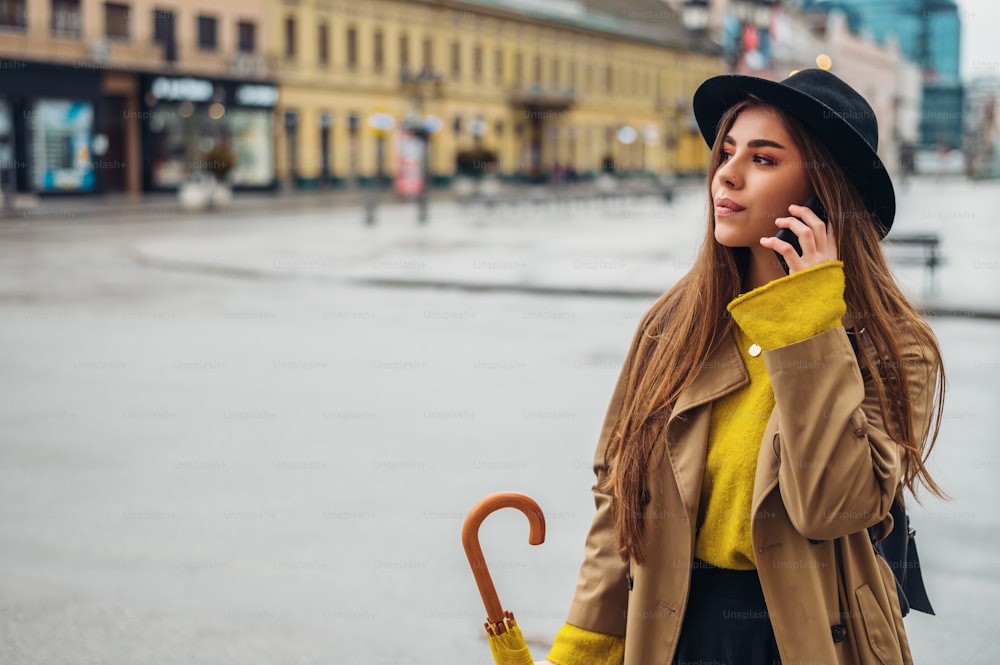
point(690, 320)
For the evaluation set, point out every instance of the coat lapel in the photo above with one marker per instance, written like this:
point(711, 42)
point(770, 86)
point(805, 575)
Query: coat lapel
point(723, 373)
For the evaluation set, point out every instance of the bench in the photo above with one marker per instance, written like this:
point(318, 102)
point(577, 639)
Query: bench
point(916, 249)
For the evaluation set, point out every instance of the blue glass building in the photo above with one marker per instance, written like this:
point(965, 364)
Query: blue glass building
point(929, 34)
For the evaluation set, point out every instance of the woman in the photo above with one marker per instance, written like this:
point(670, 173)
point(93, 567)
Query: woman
point(763, 421)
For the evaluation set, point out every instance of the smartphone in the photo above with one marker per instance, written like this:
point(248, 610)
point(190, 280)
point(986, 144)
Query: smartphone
point(789, 236)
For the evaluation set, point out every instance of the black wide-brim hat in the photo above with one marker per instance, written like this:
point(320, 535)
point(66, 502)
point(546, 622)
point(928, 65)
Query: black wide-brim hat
point(829, 108)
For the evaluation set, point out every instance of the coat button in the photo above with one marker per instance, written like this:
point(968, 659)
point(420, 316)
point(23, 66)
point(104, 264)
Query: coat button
point(859, 432)
point(839, 632)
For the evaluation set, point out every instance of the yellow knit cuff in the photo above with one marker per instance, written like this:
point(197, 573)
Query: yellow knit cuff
point(794, 307)
point(577, 646)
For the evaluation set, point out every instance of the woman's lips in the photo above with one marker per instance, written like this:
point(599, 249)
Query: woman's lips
point(725, 206)
point(724, 211)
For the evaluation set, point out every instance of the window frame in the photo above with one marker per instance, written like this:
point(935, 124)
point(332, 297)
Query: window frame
point(203, 21)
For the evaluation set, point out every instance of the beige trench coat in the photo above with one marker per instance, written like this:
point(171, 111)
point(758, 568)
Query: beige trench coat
point(826, 471)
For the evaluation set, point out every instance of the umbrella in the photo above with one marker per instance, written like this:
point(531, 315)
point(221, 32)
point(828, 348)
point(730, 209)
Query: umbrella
point(506, 641)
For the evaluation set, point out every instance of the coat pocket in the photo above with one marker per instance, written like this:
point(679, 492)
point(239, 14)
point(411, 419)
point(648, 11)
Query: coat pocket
point(878, 631)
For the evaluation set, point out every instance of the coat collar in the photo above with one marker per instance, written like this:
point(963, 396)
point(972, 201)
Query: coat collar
point(722, 373)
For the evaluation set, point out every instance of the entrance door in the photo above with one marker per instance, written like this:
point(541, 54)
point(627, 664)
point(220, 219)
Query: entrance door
point(111, 164)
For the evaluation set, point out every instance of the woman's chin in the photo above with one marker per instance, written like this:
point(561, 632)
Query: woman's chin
point(731, 240)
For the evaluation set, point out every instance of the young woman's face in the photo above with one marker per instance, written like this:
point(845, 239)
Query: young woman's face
point(762, 173)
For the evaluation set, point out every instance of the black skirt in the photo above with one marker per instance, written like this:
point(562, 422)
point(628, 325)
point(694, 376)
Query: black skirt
point(726, 621)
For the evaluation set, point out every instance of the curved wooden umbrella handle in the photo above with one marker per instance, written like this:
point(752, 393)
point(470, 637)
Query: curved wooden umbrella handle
point(470, 540)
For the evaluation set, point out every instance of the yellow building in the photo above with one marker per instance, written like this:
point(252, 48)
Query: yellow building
point(577, 84)
point(127, 95)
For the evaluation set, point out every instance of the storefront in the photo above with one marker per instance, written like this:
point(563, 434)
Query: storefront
point(51, 129)
point(8, 171)
point(185, 117)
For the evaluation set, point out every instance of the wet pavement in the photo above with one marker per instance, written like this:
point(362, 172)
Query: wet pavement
point(253, 437)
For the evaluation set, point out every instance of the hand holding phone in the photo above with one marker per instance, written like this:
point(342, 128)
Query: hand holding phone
point(789, 236)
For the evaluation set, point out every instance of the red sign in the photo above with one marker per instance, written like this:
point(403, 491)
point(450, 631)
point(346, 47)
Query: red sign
point(409, 164)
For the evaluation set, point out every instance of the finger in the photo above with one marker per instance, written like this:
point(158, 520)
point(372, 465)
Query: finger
point(806, 215)
point(792, 258)
point(812, 220)
point(805, 234)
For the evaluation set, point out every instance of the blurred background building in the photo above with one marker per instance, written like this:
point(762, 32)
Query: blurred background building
point(982, 134)
point(520, 88)
point(129, 96)
point(928, 32)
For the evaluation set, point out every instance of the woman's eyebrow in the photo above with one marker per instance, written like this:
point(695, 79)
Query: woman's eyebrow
point(756, 143)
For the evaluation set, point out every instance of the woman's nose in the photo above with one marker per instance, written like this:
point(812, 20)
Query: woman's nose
point(728, 174)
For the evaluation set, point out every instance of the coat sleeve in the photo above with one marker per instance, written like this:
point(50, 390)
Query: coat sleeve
point(601, 597)
point(839, 468)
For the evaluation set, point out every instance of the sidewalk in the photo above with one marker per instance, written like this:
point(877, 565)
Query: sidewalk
point(633, 248)
point(167, 204)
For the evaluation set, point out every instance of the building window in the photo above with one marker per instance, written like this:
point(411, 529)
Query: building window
point(572, 74)
point(609, 79)
point(246, 37)
point(518, 68)
point(404, 53)
point(13, 13)
point(163, 22)
point(163, 33)
point(207, 34)
point(588, 81)
point(323, 43)
point(555, 73)
point(65, 18)
point(498, 65)
point(428, 54)
point(538, 70)
point(115, 21)
point(456, 60)
point(378, 61)
point(289, 37)
point(352, 48)
point(477, 62)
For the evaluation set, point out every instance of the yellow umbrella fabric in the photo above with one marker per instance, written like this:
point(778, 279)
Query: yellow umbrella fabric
point(506, 640)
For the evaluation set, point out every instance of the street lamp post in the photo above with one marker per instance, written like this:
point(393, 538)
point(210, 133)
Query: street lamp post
point(418, 84)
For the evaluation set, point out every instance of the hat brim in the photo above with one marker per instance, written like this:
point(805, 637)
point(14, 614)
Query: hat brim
point(861, 164)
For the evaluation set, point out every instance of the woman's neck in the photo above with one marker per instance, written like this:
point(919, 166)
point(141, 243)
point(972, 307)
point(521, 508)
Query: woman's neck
point(763, 268)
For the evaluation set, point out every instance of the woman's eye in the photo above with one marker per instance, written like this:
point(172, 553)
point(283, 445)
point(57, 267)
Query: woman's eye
point(762, 158)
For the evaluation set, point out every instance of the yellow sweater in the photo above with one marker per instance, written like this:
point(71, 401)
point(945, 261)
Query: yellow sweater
point(782, 312)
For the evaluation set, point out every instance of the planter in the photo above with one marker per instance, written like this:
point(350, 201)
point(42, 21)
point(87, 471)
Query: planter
point(464, 188)
point(489, 188)
point(204, 194)
point(222, 195)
